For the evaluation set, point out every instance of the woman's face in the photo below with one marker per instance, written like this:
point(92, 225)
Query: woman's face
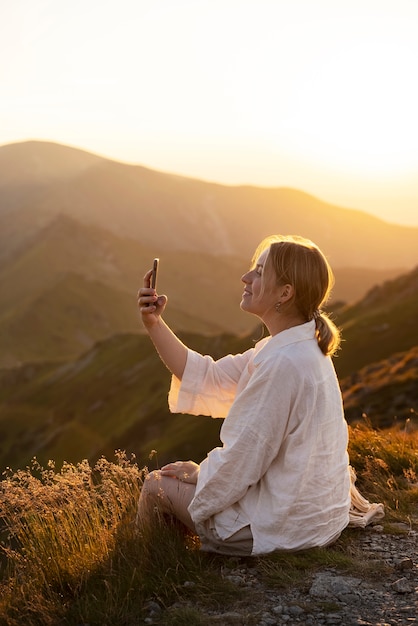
point(260, 294)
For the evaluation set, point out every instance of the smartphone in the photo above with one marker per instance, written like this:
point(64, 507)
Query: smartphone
point(153, 281)
point(154, 273)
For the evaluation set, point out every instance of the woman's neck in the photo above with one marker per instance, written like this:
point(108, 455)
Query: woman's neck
point(279, 322)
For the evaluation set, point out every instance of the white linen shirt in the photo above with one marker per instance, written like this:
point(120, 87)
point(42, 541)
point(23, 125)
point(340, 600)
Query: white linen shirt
point(283, 468)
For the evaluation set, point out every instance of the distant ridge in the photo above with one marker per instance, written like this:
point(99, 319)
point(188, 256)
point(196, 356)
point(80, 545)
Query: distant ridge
point(171, 212)
point(37, 162)
point(75, 227)
point(382, 323)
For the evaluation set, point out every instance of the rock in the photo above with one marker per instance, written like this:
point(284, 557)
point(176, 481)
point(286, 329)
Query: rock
point(232, 617)
point(329, 586)
point(404, 564)
point(328, 598)
point(402, 586)
point(235, 580)
point(153, 608)
point(377, 528)
point(334, 618)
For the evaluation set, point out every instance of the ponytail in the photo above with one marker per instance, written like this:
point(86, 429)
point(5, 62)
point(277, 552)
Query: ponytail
point(327, 334)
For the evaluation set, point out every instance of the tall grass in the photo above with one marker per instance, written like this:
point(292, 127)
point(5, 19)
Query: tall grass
point(386, 462)
point(72, 553)
point(59, 528)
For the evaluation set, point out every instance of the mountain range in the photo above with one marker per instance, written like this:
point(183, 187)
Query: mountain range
point(114, 396)
point(78, 377)
point(78, 231)
point(165, 212)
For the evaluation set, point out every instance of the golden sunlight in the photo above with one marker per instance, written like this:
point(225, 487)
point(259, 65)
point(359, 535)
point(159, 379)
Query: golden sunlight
point(271, 93)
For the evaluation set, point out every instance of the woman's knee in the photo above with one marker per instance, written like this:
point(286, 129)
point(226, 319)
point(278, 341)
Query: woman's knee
point(151, 484)
point(148, 498)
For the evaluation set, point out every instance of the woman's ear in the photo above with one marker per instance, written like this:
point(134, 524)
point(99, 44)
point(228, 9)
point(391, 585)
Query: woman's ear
point(286, 292)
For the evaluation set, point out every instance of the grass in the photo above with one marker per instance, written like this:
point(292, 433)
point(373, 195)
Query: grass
point(72, 553)
point(387, 467)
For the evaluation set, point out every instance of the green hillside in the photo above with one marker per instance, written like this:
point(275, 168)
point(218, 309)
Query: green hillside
point(386, 392)
point(384, 322)
point(67, 319)
point(114, 396)
point(72, 285)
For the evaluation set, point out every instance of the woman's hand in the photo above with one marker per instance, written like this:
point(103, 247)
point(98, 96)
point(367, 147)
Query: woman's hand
point(171, 350)
point(150, 304)
point(186, 471)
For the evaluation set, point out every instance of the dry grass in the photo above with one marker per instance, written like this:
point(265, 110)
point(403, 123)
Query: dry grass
point(59, 530)
point(72, 553)
point(386, 463)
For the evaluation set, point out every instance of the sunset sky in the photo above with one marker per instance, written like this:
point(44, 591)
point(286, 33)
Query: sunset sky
point(320, 95)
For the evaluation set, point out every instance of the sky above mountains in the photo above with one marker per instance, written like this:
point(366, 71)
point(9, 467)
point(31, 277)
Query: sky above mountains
point(320, 95)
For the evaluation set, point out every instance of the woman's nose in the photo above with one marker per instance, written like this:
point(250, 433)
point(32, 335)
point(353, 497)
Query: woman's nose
point(246, 277)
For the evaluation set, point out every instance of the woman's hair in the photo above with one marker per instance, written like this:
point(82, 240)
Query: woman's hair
point(299, 262)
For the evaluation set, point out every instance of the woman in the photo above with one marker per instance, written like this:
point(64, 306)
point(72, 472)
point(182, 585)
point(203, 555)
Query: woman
point(281, 479)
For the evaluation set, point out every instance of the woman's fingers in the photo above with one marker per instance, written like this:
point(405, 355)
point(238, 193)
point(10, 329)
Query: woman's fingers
point(182, 470)
point(147, 297)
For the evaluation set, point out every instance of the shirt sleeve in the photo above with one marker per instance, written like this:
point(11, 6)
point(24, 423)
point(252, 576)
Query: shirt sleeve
point(208, 387)
point(252, 435)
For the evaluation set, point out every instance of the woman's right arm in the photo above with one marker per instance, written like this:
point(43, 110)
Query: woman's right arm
point(171, 350)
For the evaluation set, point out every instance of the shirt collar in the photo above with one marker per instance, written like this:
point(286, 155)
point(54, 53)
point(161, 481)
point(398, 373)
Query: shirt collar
point(302, 332)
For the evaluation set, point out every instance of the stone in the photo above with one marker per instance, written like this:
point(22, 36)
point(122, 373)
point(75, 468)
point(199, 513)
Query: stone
point(404, 564)
point(402, 586)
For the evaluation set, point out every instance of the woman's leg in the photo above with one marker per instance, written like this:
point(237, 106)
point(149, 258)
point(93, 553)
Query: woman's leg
point(169, 495)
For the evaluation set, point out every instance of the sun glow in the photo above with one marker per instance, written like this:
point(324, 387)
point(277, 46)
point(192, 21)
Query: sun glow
point(319, 95)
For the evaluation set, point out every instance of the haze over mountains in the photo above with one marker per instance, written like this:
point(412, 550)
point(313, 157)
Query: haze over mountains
point(166, 212)
point(77, 232)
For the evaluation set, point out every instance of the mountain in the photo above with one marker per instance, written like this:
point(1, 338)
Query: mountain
point(384, 393)
point(166, 212)
point(77, 233)
point(114, 396)
point(74, 284)
point(383, 323)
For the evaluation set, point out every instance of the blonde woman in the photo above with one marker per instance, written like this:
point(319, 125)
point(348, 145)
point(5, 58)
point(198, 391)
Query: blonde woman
point(281, 479)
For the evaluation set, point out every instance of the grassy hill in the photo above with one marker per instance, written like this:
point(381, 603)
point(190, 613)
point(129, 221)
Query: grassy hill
point(386, 392)
point(379, 325)
point(115, 394)
point(72, 553)
point(72, 285)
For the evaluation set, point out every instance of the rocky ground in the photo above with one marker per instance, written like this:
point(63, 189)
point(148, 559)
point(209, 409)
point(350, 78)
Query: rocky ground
point(330, 597)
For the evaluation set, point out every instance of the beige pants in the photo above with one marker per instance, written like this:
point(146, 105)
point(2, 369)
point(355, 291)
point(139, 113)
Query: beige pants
point(239, 544)
point(173, 496)
point(169, 495)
